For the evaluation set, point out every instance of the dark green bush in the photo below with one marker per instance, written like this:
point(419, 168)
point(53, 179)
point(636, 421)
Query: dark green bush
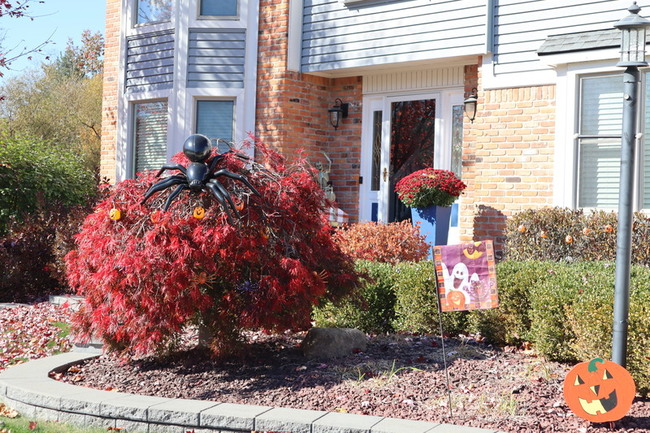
point(44, 196)
point(371, 308)
point(37, 176)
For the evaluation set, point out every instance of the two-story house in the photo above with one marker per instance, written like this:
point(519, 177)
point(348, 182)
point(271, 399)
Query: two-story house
point(549, 94)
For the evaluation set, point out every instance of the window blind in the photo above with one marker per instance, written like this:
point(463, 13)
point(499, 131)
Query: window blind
point(215, 120)
point(601, 110)
point(150, 135)
point(219, 7)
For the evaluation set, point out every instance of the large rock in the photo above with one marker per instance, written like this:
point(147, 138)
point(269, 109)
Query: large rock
point(327, 343)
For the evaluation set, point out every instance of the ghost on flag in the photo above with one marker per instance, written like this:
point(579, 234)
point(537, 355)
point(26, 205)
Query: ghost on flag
point(466, 276)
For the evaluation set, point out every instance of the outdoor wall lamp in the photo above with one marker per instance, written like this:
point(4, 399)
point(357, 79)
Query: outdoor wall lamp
point(337, 112)
point(633, 39)
point(470, 105)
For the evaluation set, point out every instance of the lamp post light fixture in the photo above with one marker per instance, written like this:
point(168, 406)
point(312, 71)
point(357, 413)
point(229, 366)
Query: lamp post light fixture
point(337, 112)
point(633, 39)
point(470, 105)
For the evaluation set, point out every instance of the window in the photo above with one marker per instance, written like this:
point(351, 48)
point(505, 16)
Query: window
point(153, 11)
point(599, 143)
point(226, 8)
point(150, 135)
point(215, 119)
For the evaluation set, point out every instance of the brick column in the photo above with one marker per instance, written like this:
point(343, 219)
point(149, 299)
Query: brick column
point(111, 90)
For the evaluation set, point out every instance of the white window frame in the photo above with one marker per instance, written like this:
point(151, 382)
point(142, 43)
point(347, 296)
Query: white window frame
point(565, 187)
point(131, 8)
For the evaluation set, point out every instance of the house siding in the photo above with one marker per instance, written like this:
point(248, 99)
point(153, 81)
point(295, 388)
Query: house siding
point(337, 36)
point(522, 26)
point(216, 58)
point(150, 62)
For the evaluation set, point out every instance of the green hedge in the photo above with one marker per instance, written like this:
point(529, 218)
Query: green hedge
point(564, 309)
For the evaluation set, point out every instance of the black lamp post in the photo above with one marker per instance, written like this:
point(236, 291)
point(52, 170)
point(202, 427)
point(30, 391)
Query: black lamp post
point(633, 40)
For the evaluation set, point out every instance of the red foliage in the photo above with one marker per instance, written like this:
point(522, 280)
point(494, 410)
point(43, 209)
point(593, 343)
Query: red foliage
point(145, 278)
point(429, 187)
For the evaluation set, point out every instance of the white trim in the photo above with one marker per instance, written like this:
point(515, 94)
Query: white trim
point(294, 43)
point(490, 81)
point(248, 107)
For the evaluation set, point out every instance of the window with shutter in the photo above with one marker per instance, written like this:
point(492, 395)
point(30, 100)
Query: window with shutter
point(150, 135)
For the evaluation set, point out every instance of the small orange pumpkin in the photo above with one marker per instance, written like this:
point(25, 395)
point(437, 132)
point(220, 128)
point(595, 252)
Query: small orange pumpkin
point(240, 205)
point(599, 390)
point(543, 234)
point(115, 214)
point(568, 239)
point(199, 212)
point(586, 231)
point(608, 228)
point(522, 228)
point(156, 217)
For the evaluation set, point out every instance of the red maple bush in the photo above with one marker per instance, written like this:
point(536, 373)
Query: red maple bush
point(149, 274)
point(386, 243)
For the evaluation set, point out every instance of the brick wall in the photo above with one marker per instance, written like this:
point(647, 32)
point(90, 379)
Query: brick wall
point(292, 109)
point(110, 96)
point(507, 158)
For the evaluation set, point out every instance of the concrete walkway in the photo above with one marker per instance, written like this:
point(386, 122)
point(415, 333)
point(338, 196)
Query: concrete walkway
point(28, 389)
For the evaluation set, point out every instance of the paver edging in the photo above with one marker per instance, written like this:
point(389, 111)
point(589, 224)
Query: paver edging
point(29, 389)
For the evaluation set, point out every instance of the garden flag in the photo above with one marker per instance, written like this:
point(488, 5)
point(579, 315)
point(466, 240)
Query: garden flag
point(466, 276)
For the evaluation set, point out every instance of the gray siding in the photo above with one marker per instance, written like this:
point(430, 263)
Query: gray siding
point(376, 33)
point(216, 58)
point(150, 62)
point(522, 27)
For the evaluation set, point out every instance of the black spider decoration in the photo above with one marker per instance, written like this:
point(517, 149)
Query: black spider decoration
point(198, 176)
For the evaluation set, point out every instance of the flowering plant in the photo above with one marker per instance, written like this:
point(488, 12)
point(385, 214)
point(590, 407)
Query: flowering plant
point(429, 187)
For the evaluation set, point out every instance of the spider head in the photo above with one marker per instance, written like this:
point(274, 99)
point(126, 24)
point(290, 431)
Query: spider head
point(197, 148)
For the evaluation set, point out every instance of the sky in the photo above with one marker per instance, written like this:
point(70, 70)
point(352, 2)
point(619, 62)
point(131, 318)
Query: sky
point(57, 20)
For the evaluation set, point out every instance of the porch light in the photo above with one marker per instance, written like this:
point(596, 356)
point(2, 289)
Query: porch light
point(633, 38)
point(470, 105)
point(337, 112)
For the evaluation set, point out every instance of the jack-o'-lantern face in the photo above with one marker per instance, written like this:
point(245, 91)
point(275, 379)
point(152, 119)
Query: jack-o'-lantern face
point(599, 391)
point(456, 299)
point(199, 212)
point(115, 214)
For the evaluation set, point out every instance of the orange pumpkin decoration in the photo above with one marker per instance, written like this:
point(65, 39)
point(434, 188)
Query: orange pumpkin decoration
point(599, 390)
point(543, 234)
point(586, 231)
point(199, 212)
point(115, 214)
point(522, 228)
point(156, 217)
point(240, 206)
point(608, 228)
point(456, 299)
point(568, 239)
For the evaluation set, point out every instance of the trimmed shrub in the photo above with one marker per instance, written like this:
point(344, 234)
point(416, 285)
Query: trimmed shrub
point(371, 308)
point(560, 234)
point(386, 243)
point(146, 273)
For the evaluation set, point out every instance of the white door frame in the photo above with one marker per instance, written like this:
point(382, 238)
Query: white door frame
point(445, 99)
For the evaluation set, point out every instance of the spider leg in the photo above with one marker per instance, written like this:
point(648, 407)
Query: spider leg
point(221, 199)
point(239, 177)
point(214, 161)
point(163, 184)
point(224, 193)
point(171, 167)
point(174, 194)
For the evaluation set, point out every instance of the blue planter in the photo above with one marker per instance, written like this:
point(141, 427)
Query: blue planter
point(434, 223)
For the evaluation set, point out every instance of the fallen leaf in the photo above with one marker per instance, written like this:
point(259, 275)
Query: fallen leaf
point(32, 425)
point(7, 412)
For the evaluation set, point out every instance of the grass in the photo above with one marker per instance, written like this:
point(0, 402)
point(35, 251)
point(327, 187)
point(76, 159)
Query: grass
point(23, 425)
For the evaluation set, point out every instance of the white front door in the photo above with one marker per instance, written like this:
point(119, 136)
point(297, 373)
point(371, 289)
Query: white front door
point(402, 134)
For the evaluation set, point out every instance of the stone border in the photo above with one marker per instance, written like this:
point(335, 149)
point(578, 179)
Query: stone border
point(28, 389)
